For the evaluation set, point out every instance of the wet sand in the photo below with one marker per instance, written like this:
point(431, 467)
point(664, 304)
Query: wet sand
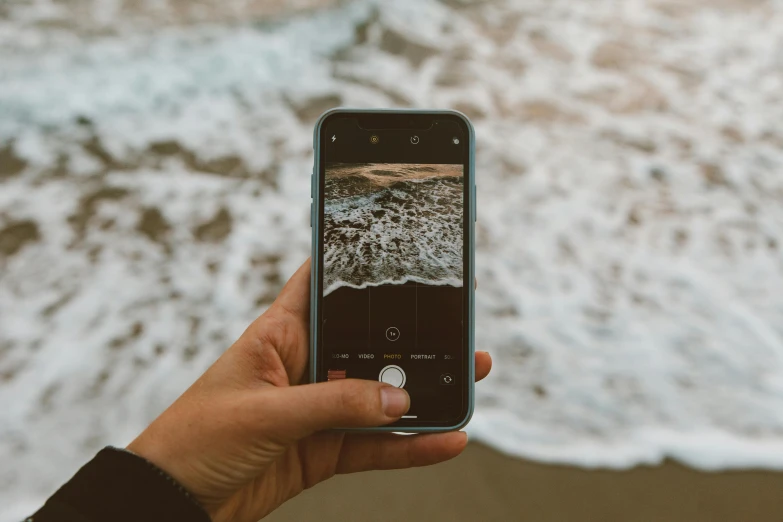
point(485, 485)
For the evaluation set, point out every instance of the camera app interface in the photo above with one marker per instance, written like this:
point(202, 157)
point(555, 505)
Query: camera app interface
point(393, 266)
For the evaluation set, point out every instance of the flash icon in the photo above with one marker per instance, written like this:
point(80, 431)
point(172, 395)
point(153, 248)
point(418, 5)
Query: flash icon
point(334, 138)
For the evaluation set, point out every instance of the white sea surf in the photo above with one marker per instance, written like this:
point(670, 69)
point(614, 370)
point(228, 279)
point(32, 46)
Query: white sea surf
point(391, 224)
point(154, 196)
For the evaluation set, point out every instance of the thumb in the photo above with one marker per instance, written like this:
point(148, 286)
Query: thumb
point(298, 411)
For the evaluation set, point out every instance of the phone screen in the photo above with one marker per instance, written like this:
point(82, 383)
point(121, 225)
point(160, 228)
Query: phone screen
point(394, 234)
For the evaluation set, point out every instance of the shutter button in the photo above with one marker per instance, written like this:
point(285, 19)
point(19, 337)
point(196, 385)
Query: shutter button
point(393, 375)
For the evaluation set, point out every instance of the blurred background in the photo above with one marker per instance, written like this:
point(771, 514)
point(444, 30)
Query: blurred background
point(154, 196)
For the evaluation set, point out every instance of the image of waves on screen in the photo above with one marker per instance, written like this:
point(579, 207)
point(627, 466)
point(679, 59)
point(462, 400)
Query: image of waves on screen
point(392, 223)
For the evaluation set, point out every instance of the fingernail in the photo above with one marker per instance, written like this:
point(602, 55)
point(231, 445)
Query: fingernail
point(394, 401)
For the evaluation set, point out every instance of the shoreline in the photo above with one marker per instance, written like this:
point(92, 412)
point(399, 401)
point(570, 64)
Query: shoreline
point(405, 281)
point(484, 484)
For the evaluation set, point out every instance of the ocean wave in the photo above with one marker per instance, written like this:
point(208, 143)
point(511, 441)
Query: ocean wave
point(353, 179)
point(701, 447)
point(412, 279)
point(406, 231)
point(628, 242)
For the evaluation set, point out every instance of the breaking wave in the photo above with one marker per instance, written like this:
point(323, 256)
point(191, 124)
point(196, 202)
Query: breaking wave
point(392, 224)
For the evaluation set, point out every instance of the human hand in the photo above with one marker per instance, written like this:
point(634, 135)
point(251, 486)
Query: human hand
point(249, 434)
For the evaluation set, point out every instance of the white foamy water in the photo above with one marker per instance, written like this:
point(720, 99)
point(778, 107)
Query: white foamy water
point(154, 178)
point(392, 224)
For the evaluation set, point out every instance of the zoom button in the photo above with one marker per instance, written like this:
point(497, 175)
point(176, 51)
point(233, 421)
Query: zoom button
point(392, 333)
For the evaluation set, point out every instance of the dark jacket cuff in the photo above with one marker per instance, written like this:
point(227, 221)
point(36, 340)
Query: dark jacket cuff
point(119, 486)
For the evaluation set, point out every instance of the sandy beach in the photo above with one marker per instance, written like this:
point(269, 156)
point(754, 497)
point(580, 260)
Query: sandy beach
point(485, 485)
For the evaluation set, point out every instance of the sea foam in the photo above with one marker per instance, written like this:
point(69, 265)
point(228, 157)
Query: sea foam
point(392, 224)
point(629, 215)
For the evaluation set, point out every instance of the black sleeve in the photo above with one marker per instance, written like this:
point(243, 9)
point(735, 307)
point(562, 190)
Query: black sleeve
point(119, 486)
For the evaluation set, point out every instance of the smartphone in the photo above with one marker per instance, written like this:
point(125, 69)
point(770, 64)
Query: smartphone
point(392, 294)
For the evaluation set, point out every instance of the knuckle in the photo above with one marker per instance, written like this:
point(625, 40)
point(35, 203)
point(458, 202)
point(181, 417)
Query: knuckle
point(262, 364)
point(269, 329)
point(266, 350)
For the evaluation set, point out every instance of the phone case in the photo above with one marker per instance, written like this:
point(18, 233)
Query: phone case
point(316, 261)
